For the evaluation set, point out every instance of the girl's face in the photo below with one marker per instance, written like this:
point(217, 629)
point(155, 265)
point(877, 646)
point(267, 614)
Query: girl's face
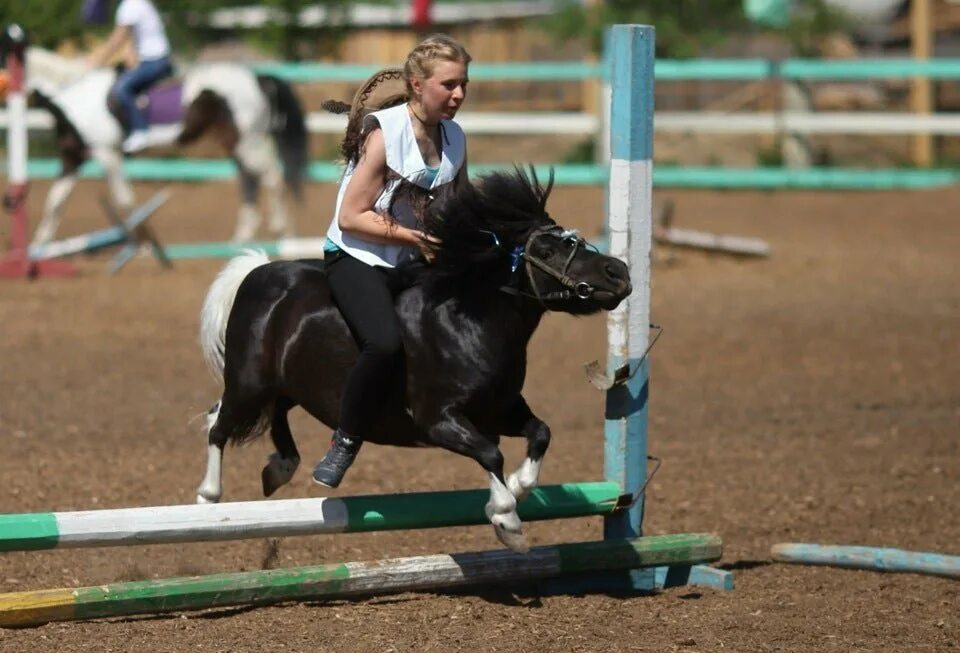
point(442, 93)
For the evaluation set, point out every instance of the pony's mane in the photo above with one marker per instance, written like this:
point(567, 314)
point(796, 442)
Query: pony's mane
point(480, 226)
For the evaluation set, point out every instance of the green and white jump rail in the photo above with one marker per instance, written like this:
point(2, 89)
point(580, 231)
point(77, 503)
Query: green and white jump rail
point(337, 581)
point(253, 519)
point(285, 248)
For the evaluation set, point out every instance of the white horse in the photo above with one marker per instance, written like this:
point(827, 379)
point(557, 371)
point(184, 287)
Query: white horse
point(258, 119)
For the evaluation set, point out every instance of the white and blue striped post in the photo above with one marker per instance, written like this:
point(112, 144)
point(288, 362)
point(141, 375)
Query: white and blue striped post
point(631, 57)
point(629, 223)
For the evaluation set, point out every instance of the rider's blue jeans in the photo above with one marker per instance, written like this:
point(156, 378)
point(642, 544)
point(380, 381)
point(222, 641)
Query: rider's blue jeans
point(136, 81)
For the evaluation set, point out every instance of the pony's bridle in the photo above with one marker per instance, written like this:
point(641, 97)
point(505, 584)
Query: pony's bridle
point(572, 287)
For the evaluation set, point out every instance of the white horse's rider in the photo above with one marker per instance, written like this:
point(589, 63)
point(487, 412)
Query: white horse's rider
point(140, 21)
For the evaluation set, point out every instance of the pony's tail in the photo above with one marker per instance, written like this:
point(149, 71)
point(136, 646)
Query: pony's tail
point(217, 305)
point(288, 126)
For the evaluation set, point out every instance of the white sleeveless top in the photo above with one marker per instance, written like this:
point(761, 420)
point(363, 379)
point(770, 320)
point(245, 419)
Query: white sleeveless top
point(148, 32)
point(404, 158)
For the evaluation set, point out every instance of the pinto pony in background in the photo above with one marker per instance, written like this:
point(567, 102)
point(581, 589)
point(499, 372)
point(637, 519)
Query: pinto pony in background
point(257, 119)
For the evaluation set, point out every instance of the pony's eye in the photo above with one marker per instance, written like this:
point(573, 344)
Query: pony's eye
point(545, 251)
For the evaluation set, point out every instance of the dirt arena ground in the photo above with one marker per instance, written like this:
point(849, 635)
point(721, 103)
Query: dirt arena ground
point(813, 396)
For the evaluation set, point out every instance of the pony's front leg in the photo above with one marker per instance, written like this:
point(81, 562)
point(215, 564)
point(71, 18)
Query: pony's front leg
point(255, 156)
point(59, 191)
point(522, 422)
point(456, 433)
point(282, 464)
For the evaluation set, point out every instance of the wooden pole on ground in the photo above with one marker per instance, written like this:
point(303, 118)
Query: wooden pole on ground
point(338, 581)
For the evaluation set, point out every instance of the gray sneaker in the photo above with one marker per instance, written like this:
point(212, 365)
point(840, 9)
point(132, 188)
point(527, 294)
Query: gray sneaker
point(329, 471)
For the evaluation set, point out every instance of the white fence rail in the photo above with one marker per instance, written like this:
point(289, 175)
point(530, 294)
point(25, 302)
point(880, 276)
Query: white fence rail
point(507, 123)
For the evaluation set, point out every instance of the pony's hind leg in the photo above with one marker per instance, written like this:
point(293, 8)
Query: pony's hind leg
point(282, 464)
point(279, 221)
point(211, 488)
point(257, 157)
point(120, 189)
point(522, 422)
point(248, 218)
point(228, 419)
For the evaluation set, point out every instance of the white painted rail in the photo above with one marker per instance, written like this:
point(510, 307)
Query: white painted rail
point(507, 123)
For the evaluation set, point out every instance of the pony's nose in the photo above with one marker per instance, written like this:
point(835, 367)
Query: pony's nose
point(618, 274)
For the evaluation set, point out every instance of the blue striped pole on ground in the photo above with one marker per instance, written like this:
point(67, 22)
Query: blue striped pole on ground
point(868, 557)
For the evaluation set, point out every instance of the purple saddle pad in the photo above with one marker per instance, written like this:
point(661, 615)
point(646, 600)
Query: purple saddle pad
point(164, 106)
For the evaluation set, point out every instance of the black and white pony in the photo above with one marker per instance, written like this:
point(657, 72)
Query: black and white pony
point(272, 333)
point(257, 119)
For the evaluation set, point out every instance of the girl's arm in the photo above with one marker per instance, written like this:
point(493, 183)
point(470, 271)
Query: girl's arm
point(119, 35)
point(357, 216)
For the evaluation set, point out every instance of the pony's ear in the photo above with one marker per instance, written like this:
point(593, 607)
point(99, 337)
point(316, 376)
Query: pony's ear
point(546, 191)
point(335, 106)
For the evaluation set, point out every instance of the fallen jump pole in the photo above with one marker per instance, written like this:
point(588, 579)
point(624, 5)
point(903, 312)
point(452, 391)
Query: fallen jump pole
point(866, 557)
point(337, 581)
point(130, 232)
point(253, 519)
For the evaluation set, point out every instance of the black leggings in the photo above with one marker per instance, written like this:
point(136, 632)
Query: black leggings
point(365, 296)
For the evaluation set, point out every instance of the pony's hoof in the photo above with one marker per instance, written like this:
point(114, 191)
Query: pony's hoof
point(202, 499)
point(277, 473)
point(514, 540)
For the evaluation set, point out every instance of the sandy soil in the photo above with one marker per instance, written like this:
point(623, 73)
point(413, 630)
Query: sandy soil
point(813, 396)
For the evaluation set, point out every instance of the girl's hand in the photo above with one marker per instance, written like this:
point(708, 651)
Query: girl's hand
point(428, 245)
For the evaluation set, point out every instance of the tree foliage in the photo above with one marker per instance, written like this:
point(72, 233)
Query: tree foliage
point(686, 28)
point(52, 22)
point(48, 22)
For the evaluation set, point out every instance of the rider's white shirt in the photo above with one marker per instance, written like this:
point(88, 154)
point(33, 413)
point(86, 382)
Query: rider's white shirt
point(148, 31)
point(404, 158)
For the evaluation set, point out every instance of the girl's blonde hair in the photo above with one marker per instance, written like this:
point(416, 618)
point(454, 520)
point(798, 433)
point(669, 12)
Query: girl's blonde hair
point(436, 47)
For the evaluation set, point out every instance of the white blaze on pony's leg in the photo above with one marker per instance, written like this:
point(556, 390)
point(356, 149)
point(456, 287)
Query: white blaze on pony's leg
point(279, 222)
point(59, 192)
point(211, 489)
point(120, 189)
point(501, 510)
point(525, 478)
